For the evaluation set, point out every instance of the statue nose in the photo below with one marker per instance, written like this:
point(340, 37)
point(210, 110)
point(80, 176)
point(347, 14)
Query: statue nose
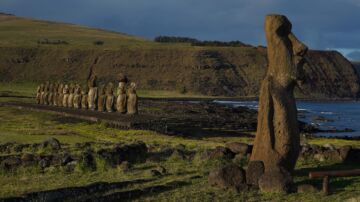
point(299, 48)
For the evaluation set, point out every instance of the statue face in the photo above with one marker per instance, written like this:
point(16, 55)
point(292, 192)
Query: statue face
point(285, 51)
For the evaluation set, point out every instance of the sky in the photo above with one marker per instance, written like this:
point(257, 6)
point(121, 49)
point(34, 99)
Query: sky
point(320, 24)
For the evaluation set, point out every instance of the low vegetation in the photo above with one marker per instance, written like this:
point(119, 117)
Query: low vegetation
point(185, 179)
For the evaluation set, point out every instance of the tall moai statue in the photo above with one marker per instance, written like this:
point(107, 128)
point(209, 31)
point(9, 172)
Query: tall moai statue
point(101, 99)
point(77, 97)
point(60, 95)
point(121, 94)
point(56, 94)
point(277, 141)
point(42, 93)
point(84, 98)
point(70, 102)
point(65, 95)
point(110, 97)
point(132, 101)
point(38, 94)
point(93, 92)
point(51, 94)
point(45, 96)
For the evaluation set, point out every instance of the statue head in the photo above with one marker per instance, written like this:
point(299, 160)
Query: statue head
point(109, 88)
point(92, 81)
point(285, 51)
point(132, 87)
point(66, 88)
point(122, 78)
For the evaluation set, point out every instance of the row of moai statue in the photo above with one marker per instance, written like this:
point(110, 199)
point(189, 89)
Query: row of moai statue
point(91, 97)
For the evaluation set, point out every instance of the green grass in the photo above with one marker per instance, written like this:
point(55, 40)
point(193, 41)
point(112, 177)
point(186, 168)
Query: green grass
point(25, 32)
point(23, 126)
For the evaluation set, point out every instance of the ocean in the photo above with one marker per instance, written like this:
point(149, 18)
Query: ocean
point(324, 115)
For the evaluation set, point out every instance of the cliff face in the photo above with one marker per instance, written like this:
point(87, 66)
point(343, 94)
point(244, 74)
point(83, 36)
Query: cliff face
point(231, 71)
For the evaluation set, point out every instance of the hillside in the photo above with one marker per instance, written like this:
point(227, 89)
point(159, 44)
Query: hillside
point(225, 71)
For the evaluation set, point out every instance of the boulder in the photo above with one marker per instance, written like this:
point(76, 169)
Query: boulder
point(10, 163)
point(53, 143)
point(238, 147)
point(220, 153)
point(254, 171)
point(276, 181)
point(228, 177)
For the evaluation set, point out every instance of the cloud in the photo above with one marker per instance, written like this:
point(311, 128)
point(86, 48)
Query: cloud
point(320, 24)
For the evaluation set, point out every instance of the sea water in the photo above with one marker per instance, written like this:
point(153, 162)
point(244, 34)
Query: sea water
point(324, 115)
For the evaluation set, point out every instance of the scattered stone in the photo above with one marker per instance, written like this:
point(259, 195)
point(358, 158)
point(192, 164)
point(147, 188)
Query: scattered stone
point(306, 188)
point(88, 161)
point(276, 181)
point(239, 159)
point(344, 152)
point(254, 171)
point(221, 153)
point(10, 163)
point(238, 147)
point(125, 166)
point(319, 157)
point(228, 177)
point(329, 146)
point(66, 159)
point(161, 169)
point(43, 163)
point(27, 159)
point(155, 173)
point(53, 143)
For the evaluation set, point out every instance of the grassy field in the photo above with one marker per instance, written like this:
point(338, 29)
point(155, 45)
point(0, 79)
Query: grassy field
point(23, 126)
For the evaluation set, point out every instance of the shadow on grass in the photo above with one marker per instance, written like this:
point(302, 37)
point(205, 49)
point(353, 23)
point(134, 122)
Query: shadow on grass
point(99, 191)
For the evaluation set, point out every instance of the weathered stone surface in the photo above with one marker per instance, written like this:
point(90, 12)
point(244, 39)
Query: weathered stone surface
point(101, 99)
point(109, 103)
point(65, 96)
point(238, 147)
point(277, 141)
point(53, 143)
point(254, 171)
point(132, 101)
point(121, 98)
point(228, 177)
point(77, 97)
point(93, 92)
point(276, 181)
point(219, 153)
point(10, 163)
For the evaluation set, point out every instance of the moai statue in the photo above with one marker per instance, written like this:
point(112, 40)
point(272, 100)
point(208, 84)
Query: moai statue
point(121, 95)
point(132, 101)
point(277, 141)
point(56, 94)
point(70, 103)
point(110, 97)
point(38, 94)
point(60, 95)
point(51, 94)
point(93, 92)
point(46, 94)
point(101, 99)
point(65, 96)
point(84, 98)
point(42, 93)
point(77, 97)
